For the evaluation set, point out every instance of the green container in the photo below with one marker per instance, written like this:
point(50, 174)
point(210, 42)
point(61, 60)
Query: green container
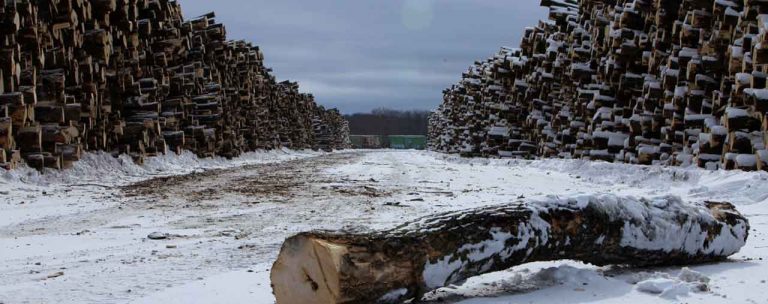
point(367, 141)
point(415, 142)
point(357, 141)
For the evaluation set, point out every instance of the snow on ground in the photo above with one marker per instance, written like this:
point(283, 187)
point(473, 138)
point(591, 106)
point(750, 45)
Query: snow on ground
point(88, 185)
point(81, 237)
point(101, 167)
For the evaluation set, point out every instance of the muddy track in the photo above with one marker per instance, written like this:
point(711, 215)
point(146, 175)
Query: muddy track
point(216, 221)
point(199, 195)
point(283, 179)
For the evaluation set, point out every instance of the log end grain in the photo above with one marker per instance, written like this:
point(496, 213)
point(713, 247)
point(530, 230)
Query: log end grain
point(307, 271)
point(331, 268)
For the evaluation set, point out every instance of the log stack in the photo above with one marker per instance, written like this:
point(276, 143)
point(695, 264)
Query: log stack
point(135, 77)
point(330, 135)
point(642, 82)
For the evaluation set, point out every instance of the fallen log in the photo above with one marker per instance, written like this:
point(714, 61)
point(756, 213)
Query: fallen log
point(415, 258)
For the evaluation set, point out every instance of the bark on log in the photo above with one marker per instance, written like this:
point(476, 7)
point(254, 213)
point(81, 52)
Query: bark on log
point(408, 261)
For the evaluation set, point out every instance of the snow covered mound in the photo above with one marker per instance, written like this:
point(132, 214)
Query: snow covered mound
point(671, 287)
point(527, 282)
point(521, 280)
point(691, 183)
point(103, 168)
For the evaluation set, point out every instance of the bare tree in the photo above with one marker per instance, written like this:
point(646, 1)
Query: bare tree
point(384, 121)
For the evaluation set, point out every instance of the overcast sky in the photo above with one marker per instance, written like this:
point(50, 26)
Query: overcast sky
point(359, 55)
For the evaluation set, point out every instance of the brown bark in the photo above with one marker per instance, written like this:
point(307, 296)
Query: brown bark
point(408, 261)
point(6, 131)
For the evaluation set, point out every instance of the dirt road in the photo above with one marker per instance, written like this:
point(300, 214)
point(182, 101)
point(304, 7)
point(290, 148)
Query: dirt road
point(209, 222)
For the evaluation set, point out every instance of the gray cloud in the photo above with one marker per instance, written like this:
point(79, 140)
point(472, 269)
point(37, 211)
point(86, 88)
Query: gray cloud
point(358, 55)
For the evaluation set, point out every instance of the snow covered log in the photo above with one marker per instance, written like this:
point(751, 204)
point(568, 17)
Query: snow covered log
point(408, 261)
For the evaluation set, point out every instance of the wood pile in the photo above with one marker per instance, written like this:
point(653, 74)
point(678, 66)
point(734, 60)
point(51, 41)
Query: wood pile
point(135, 77)
point(633, 81)
point(331, 130)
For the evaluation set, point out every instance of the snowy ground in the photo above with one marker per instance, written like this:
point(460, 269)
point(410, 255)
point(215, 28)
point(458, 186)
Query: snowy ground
point(82, 236)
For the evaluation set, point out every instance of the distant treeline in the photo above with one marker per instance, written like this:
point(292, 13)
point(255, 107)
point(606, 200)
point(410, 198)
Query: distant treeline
point(388, 122)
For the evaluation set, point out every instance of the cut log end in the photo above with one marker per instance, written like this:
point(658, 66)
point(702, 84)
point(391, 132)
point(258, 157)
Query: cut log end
point(307, 271)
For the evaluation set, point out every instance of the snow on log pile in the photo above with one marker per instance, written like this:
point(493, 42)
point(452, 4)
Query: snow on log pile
point(436, 251)
point(135, 77)
point(634, 81)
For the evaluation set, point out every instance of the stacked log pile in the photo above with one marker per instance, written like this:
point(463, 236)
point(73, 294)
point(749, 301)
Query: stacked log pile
point(331, 130)
point(135, 77)
point(634, 81)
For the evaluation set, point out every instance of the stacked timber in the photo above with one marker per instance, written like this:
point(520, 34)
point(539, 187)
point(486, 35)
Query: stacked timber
point(134, 77)
point(632, 81)
point(331, 130)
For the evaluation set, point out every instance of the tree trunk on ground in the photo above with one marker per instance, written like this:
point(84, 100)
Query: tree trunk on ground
point(421, 256)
